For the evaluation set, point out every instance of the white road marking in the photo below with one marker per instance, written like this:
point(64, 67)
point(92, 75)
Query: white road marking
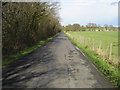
point(80, 50)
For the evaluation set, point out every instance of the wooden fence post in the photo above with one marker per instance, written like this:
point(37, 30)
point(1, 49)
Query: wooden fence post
point(99, 52)
point(93, 45)
point(110, 52)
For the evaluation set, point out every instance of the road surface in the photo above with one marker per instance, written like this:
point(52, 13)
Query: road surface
point(57, 64)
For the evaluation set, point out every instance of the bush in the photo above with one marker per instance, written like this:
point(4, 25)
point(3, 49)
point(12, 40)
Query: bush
point(27, 23)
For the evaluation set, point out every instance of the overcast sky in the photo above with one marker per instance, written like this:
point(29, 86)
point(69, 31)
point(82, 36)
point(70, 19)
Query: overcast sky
point(87, 11)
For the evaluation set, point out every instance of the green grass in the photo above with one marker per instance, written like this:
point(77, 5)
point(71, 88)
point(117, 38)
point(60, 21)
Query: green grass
point(105, 38)
point(107, 69)
point(14, 57)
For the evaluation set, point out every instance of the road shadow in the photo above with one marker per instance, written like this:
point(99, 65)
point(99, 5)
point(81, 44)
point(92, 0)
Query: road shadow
point(14, 77)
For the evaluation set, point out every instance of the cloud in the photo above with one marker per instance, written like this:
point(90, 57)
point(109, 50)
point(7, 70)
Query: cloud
point(114, 3)
point(85, 11)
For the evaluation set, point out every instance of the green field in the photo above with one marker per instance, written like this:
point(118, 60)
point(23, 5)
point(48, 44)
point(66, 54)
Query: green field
point(101, 48)
point(99, 38)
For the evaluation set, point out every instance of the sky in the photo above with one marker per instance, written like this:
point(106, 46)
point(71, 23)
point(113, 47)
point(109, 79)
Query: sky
point(89, 11)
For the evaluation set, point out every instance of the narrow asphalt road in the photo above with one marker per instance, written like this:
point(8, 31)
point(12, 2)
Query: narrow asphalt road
point(57, 64)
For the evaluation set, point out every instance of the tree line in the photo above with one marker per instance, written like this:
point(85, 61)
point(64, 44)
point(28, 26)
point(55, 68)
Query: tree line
point(89, 27)
point(24, 24)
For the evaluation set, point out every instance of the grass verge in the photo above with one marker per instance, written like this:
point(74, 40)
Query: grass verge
point(13, 58)
point(111, 73)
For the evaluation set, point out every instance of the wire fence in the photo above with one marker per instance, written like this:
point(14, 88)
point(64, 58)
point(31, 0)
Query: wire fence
point(101, 50)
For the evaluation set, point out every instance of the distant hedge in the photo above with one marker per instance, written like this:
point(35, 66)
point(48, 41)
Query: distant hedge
point(26, 23)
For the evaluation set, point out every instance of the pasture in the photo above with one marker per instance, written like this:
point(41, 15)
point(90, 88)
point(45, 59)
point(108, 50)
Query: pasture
point(105, 43)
